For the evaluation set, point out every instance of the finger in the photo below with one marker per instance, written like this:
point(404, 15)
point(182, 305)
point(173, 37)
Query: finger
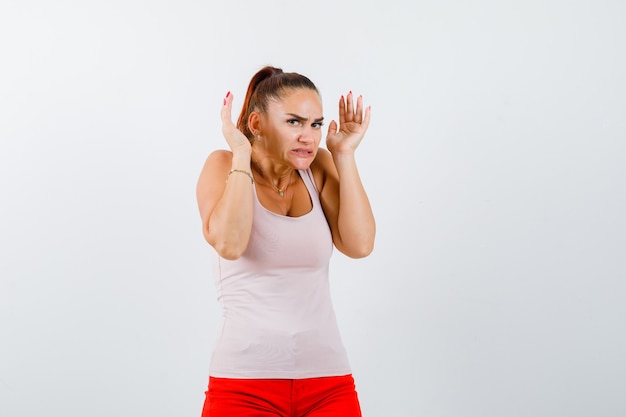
point(359, 110)
point(227, 109)
point(349, 108)
point(332, 128)
point(366, 119)
point(342, 110)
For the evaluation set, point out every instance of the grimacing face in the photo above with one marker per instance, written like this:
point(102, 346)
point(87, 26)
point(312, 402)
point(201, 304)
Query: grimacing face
point(292, 127)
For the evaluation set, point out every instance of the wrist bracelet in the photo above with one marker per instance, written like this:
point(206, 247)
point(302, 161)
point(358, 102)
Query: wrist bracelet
point(242, 171)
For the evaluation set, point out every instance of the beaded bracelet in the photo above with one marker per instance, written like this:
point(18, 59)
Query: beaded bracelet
point(242, 171)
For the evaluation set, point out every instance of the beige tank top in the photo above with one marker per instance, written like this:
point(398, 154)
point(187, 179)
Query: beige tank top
point(278, 320)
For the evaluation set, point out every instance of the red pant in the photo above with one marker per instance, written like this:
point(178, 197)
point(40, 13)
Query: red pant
point(333, 396)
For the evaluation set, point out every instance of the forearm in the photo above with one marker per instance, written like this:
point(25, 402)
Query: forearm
point(228, 229)
point(355, 220)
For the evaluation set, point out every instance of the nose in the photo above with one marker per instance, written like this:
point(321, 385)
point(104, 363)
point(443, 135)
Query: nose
point(307, 135)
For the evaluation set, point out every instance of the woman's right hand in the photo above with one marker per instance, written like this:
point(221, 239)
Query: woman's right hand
point(237, 141)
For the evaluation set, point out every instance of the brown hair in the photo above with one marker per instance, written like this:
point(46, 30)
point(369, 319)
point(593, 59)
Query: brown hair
point(269, 83)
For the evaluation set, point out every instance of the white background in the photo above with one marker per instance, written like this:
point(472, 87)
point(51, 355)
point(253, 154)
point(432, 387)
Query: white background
point(495, 163)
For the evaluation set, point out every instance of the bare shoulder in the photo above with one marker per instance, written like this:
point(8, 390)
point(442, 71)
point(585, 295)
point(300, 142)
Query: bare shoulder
point(214, 170)
point(219, 157)
point(323, 167)
point(323, 157)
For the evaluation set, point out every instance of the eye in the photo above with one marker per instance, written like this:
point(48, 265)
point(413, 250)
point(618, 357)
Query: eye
point(294, 122)
point(317, 125)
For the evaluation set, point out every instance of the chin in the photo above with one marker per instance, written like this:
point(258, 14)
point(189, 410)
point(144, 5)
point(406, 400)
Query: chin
point(302, 165)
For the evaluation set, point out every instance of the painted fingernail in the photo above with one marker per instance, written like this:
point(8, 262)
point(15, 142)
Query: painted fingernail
point(227, 94)
point(224, 101)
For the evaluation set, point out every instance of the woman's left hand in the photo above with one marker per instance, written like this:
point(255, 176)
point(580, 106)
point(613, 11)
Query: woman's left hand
point(352, 126)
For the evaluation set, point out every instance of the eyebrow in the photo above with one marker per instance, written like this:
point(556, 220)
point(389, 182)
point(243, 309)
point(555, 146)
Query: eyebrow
point(295, 116)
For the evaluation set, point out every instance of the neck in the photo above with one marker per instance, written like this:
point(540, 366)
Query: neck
point(276, 176)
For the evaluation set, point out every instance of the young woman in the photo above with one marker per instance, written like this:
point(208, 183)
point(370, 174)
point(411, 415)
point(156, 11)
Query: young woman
point(272, 207)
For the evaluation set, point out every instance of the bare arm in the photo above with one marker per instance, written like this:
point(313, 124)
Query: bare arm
point(226, 206)
point(343, 196)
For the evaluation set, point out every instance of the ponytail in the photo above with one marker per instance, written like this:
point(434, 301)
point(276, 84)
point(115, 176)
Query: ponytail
point(268, 83)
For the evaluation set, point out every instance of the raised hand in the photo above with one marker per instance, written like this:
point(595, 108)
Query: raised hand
point(352, 126)
point(237, 141)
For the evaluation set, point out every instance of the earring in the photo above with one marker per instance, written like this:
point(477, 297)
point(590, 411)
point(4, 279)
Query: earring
point(258, 137)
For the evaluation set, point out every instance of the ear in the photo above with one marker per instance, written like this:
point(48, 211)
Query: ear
point(255, 122)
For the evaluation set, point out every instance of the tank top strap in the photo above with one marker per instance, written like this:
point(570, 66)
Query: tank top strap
point(309, 182)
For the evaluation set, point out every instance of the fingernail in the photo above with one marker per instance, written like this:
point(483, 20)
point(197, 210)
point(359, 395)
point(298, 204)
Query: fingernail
point(350, 92)
point(224, 101)
point(227, 94)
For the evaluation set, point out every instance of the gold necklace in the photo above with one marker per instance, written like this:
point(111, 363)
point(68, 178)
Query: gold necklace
point(280, 191)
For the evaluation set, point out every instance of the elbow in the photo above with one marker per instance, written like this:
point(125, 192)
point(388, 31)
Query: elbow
point(362, 252)
point(358, 251)
point(357, 242)
point(227, 249)
point(229, 252)
point(359, 246)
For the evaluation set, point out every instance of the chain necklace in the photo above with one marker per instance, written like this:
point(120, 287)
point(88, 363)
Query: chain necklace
point(280, 191)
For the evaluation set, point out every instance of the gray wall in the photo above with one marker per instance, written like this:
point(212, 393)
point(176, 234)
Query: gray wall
point(494, 162)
